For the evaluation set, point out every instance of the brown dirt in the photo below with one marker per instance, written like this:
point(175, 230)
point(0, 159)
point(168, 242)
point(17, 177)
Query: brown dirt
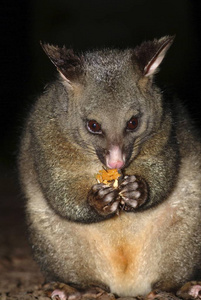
point(20, 277)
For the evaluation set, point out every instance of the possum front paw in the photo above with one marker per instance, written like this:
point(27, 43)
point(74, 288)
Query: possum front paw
point(133, 193)
point(104, 199)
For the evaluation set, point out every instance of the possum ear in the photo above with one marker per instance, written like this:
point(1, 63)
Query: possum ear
point(66, 61)
point(150, 54)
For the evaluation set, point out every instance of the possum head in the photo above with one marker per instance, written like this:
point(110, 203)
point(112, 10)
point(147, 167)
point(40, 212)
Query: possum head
point(113, 105)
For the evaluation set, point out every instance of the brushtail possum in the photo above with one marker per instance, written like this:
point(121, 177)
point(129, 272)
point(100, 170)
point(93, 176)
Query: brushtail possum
point(105, 111)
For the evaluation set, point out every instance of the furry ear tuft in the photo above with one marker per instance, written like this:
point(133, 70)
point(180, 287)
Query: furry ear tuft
point(150, 54)
point(66, 61)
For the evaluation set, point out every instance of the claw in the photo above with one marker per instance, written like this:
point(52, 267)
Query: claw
point(58, 295)
point(195, 291)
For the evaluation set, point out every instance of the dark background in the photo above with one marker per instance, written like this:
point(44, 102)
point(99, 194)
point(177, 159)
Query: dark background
point(86, 24)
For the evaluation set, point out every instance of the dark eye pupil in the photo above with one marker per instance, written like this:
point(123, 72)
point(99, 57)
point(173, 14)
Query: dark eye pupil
point(132, 124)
point(94, 126)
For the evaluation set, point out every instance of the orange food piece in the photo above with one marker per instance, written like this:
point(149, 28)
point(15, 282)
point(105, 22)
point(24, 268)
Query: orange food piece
point(106, 176)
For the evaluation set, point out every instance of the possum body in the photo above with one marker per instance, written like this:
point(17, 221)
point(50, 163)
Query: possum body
point(106, 110)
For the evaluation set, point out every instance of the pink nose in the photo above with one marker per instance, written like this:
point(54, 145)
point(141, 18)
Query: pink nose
point(115, 158)
point(115, 164)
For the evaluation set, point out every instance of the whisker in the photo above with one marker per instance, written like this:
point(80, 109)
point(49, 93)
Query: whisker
point(143, 139)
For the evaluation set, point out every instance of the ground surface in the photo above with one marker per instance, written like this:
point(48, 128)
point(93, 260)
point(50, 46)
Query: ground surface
point(20, 277)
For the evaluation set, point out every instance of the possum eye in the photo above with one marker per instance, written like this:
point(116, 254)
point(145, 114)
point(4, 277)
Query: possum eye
point(94, 127)
point(132, 124)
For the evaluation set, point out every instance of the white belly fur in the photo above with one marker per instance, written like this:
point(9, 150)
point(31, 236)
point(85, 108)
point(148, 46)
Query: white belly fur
point(126, 250)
